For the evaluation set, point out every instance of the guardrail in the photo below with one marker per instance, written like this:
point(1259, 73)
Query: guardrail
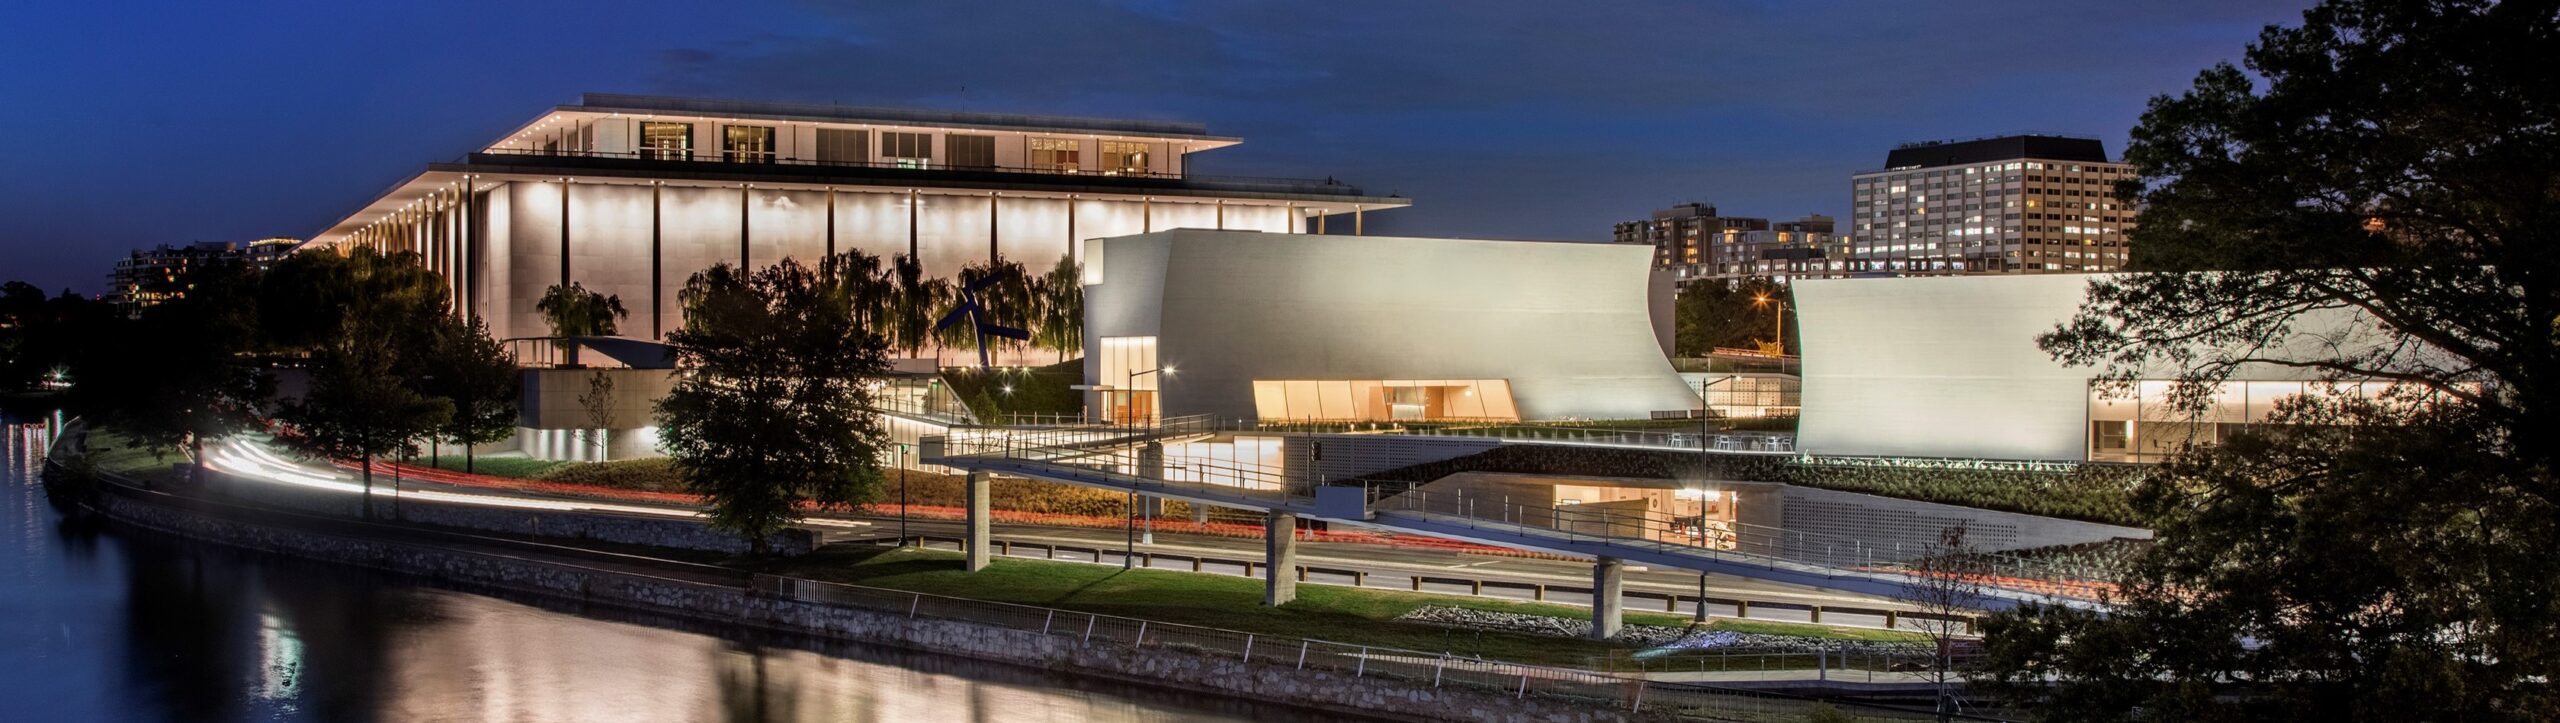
point(1107, 455)
point(1447, 583)
point(1325, 186)
point(1435, 670)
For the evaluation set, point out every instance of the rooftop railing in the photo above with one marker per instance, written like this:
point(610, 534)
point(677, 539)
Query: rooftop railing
point(1318, 186)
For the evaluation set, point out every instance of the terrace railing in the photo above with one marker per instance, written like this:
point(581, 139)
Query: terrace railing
point(1317, 186)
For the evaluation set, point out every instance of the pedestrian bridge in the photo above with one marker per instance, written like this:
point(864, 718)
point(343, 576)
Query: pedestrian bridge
point(1131, 459)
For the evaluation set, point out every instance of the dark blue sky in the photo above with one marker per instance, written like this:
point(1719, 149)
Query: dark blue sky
point(142, 123)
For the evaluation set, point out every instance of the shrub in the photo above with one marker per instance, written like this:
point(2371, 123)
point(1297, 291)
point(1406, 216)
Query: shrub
point(648, 474)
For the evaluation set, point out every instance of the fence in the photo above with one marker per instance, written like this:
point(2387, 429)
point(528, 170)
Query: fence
point(1434, 670)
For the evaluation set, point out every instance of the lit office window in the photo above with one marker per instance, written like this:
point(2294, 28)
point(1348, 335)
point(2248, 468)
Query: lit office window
point(843, 145)
point(971, 151)
point(1056, 154)
point(1124, 157)
point(747, 144)
point(666, 141)
point(906, 150)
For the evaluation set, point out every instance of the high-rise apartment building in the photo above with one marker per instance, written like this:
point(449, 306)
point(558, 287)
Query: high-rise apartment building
point(1694, 242)
point(147, 277)
point(2013, 204)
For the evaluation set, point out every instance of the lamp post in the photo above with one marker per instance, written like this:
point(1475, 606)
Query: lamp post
point(1779, 327)
point(1706, 418)
point(1132, 388)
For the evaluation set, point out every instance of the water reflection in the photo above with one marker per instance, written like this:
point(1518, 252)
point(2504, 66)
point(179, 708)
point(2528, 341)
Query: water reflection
point(120, 626)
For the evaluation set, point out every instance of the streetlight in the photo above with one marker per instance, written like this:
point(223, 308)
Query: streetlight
point(1780, 327)
point(1132, 388)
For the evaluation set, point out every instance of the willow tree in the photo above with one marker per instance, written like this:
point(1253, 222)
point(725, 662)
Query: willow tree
point(1059, 315)
point(572, 310)
point(772, 407)
point(2369, 556)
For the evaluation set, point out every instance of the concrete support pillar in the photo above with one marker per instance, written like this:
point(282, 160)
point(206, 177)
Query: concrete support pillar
point(657, 262)
point(1280, 559)
point(1150, 466)
point(564, 232)
point(1608, 592)
point(1199, 513)
point(976, 544)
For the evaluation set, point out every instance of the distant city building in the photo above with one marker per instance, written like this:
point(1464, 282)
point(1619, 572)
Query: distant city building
point(1694, 242)
point(146, 278)
point(2013, 204)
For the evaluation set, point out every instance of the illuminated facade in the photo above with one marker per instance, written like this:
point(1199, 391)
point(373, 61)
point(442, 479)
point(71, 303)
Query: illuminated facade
point(1949, 367)
point(2025, 204)
point(1694, 242)
point(630, 195)
point(145, 278)
point(1247, 326)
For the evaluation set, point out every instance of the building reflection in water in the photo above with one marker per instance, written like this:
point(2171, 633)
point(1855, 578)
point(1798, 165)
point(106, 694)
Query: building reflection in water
point(137, 627)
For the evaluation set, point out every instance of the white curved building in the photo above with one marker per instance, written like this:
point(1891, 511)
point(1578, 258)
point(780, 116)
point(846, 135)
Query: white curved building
point(1949, 367)
point(1245, 325)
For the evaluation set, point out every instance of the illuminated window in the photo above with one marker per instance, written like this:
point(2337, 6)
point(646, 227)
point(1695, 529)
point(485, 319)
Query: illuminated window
point(666, 141)
point(747, 144)
point(1056, 154)
point(1124, 157)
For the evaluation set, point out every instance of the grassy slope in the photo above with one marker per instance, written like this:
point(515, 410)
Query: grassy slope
point(1045, 390)
point(1344, 615)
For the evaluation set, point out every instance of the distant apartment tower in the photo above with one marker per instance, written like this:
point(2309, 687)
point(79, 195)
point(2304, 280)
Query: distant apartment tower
point(2029, 204)
point(1694, 242)
point(147, 277)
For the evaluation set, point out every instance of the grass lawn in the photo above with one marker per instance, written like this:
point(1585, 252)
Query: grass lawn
point(517, 467)
point(1324, 612)
point(115, 453)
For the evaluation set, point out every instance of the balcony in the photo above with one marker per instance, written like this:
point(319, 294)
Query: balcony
point(893, 173)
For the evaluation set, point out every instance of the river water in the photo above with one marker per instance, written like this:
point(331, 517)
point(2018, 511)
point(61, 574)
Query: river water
point(116, 626)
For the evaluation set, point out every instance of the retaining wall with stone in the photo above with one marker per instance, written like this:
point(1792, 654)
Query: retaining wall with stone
point(1370, 696)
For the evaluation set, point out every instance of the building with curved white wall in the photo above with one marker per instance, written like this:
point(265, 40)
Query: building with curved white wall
point(1949, 367)
point(1245, 325)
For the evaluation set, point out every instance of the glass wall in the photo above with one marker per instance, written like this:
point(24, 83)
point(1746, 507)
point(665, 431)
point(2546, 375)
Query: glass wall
point(2145, 427)
point(1056, 154)
point(1124, 157)
point(906, 150)
point(971, 151)
point(666, 141)
point(1128, 368)
point(842, 145)
point(747, 144)
point(1383, 400)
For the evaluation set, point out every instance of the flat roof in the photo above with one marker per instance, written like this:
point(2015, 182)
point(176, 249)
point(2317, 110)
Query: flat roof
point(821, 112)
point(1984, 150)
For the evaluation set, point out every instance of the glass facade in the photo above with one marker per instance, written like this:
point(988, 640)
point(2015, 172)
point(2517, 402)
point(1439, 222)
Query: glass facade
point(747, 144)
point(2145, 427)
point(1128, 367)
point(1061, 155)
point(843, 145)
point(1119, 157)
point(1383, 400)
point(971, 151)
point(906, 150)
point(666, 141)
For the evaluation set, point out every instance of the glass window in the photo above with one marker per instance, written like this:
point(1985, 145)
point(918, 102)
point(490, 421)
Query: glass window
point(666, 141)
point(906, 150)
point(747, 144)
point(1124, 157)
point(1056, 154)
point(843, 145)
point(971, 151)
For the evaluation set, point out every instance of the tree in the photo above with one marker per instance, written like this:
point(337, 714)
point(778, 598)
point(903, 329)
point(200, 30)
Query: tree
point(186, 371)
point(480, 378)
point(597, 401)
point(1713, 314)
point(1060, 309)
point(1947, 587)
point(382, 352)
point(2367, 557)
point(572, 310)
point(772, 407)
point(40, 336)
point(914, 300)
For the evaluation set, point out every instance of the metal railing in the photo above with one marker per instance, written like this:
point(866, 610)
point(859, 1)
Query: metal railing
point(1325, 186)
point(1411, 667)
point(1113, 456)
point(1688, 439)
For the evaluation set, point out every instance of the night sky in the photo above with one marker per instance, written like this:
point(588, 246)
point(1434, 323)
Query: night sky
point(135, 124)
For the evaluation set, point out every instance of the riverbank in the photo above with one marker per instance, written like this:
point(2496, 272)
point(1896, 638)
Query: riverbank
point(1349, 679)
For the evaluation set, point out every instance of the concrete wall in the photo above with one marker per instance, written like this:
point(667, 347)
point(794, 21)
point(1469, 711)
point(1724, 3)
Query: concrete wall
point(1571, 326)
point(1170, 666)
point(1885, 522)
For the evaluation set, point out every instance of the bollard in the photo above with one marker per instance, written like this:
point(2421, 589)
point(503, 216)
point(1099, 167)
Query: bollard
point(1538, 592)
point(1817, 612)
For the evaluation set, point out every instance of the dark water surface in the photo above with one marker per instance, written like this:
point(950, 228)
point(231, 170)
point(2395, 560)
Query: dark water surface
point(117, 626)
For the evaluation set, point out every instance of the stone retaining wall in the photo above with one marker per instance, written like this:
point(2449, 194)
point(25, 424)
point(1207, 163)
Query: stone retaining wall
point(1147, 666)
